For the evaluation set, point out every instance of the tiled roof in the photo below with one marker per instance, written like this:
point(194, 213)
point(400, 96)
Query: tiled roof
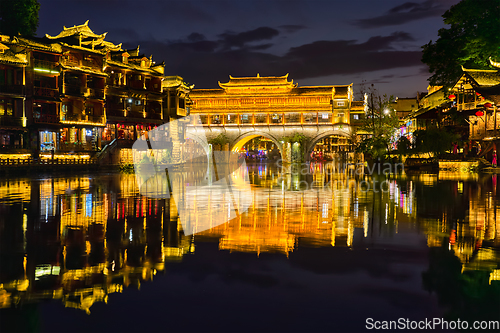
point(314, 90)
point(133, 66)
point(484, 77)
point(257, 81)
point(82, 30)
point(10, 57)
point(84, 70)
point(37, 44)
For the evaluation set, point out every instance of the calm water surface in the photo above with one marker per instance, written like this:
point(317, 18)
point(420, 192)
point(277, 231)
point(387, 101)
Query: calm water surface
point(318, 250)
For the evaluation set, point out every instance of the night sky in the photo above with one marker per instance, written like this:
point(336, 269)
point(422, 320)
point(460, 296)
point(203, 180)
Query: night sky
point(317, 42)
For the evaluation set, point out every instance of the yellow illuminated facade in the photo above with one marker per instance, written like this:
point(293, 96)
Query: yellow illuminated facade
point(266, 101)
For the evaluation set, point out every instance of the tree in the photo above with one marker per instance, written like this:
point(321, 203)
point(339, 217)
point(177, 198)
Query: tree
point(434, 140)
point(381, 121)
point(471, 39)
point(19, 17)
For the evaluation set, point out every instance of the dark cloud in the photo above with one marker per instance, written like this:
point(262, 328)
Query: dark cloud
point(291, 28)
point(260, 47)
point(231, 39)
point(406, 12)
point(204, 62)
point(196, 37)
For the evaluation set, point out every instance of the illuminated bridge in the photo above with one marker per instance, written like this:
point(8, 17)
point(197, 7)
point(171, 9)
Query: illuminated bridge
point(277, 109)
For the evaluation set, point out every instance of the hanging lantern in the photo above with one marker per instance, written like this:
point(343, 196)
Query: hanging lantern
point(478, 94)
point(487, 105)
point(479, 113)
point(451, 96)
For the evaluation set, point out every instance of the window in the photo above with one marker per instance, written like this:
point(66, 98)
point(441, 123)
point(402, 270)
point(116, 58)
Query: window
point(6, 107)
point(355, 116)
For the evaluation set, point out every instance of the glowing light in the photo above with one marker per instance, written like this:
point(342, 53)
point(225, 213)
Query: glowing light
point(45, 70)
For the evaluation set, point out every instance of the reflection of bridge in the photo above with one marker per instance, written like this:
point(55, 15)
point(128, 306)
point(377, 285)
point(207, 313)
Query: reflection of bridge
point(275, 108)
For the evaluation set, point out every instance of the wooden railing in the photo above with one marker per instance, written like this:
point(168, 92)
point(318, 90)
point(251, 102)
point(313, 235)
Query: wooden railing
point(45, 92)
point(44, 64)
point(11, 121)
point(13, 89)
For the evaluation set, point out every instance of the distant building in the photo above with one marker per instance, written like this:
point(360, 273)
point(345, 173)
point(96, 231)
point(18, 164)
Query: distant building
point(404, 106)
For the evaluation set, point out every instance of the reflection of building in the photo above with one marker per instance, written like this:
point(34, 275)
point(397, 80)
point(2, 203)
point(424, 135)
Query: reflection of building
point(81, 243)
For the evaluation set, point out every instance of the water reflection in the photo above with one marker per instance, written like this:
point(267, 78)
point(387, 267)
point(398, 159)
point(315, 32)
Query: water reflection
point(79, 239)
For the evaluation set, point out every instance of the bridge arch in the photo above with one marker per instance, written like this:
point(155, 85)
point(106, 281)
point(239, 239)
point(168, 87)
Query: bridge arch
point(313, 141)
point(238, 142)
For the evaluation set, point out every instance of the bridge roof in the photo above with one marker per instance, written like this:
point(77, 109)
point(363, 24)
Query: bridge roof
point(257, 81)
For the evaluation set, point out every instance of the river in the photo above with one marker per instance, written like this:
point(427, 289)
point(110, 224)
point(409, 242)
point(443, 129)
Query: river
point(319, 248)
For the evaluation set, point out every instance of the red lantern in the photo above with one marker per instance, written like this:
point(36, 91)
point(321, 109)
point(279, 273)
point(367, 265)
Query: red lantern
point(487, 105)
point(479, 113)
point(451, 97)
point(478, 94)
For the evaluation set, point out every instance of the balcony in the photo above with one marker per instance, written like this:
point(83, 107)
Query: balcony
point(11, 121)
point(46, 66)
point(91, 64)
point(74, 90)
point(466, 106)
point(84, 119)
point(135, 114)
point(115, 110)
point(12, 89)
point(45, 92)
point(46, 118)
point(153, 115)
point(95, 93)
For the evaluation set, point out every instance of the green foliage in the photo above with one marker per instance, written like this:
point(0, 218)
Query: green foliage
point(434, 141)
point(167, 157)
point(220, 139)
point(403, 145)
point(19, 17)
point(471, 38)
point(296, 137)
point(298, 151)
point(381, 121)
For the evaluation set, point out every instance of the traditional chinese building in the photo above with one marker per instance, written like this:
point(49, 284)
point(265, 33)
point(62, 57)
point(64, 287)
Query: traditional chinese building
point(271, 101)
point(477, 96)
point(13, 131)
point(133, 96)
point(274, 107)
point(82, 114)
point(75, 92)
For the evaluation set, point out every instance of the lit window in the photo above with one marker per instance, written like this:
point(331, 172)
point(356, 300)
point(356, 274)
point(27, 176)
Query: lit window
point(356, 116)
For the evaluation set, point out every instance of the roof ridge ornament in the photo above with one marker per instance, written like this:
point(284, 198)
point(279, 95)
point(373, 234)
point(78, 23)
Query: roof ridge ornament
point(494, 63)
